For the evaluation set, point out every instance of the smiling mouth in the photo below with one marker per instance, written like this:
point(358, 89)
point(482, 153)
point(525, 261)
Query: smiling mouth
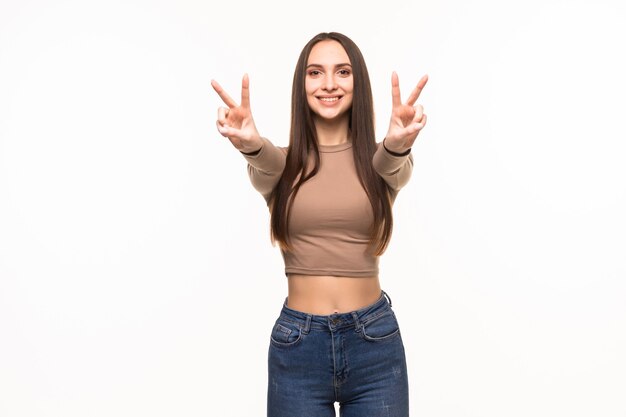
point(329, 99)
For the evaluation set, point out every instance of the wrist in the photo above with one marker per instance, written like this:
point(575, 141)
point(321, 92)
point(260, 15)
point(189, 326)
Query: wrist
point(404, 152)
point(249, 151)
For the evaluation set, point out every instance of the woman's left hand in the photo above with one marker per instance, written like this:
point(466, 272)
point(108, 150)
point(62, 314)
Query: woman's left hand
point(407, 119)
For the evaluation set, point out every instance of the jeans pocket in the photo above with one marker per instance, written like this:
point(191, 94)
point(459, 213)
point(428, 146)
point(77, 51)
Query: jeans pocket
point(285, 333)
point(382, 327)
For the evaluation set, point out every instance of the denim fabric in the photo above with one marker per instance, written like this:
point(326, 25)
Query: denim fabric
point(356, 359)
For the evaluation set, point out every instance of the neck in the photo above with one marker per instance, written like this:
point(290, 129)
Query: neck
point(331, 132)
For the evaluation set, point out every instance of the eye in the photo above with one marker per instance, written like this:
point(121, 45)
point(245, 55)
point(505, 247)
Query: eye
point(314, 72)
point(344, 72)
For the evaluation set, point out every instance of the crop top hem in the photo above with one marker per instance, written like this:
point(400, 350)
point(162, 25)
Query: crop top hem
point(334, 272)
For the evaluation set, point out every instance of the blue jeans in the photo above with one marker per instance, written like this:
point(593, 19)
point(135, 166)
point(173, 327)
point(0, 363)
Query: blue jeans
point(355, 358)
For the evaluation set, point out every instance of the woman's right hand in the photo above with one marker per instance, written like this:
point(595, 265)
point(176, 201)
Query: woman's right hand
point(235, 122)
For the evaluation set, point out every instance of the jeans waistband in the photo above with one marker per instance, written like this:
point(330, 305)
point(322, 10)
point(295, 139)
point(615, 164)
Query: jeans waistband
point(336, 320)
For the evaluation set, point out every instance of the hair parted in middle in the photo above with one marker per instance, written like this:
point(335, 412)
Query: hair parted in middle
point(303, 141)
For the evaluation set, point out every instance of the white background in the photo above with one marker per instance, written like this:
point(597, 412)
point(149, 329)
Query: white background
point(137, 277)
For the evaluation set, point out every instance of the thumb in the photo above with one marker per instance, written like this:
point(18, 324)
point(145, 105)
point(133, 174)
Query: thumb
point(228, 131)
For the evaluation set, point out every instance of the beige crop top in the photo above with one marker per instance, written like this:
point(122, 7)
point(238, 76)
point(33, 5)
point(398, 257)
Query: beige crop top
point(331, 213)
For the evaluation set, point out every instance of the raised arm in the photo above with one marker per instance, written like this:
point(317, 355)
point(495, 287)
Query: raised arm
point(265, 167)
point(265, 160)
point(393, 159)
point(394, 168)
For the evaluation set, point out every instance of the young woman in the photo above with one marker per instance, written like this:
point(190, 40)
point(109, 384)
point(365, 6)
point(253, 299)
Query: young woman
point(330, 194)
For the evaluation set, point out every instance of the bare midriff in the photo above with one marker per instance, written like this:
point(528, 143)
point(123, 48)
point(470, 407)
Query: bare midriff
point(324, 295)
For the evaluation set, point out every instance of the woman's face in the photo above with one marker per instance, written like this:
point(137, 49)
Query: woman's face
point(328, 81)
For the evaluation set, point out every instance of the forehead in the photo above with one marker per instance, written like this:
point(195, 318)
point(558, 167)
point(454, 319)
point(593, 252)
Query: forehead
point(327, 52)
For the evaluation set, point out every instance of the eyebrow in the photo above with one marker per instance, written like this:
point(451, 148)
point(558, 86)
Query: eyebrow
point(345, 64)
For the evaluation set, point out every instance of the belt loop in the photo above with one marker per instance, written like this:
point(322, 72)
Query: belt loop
point(357, 323)
point(388, 298)
point(307, 324)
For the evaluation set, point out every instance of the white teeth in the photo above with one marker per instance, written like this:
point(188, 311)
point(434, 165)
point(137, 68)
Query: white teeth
point(329, 99)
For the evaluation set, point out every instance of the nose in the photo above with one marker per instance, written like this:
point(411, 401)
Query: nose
point(329, 83)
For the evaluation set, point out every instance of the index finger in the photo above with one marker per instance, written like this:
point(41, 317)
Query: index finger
point(417, 91)
point(225, 97)
point(395, 90)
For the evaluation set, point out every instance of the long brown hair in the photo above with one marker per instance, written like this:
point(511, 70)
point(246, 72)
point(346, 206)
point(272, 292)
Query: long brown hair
point(303, 137)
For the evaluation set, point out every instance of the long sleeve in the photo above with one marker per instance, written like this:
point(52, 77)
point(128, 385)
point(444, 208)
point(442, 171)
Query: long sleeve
point(395, 170)
point(266, 166)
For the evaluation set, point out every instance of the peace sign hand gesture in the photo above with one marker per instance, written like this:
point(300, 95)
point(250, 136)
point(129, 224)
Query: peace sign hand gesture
point(235, 122)
point(406, 119)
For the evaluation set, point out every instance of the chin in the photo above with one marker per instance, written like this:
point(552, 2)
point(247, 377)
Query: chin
point(335, 115)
